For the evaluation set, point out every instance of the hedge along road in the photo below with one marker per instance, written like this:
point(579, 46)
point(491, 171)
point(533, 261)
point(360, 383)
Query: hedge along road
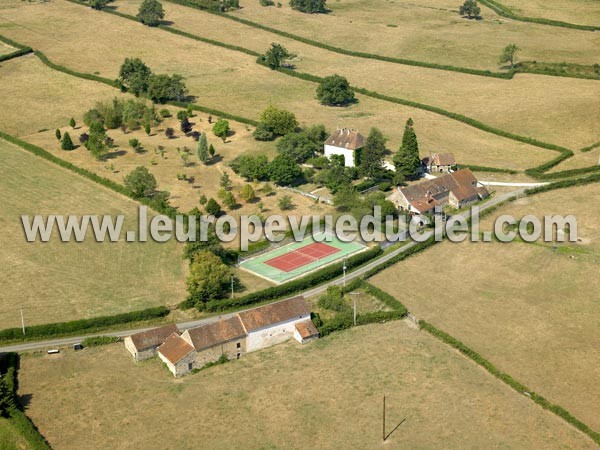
point(360, 272)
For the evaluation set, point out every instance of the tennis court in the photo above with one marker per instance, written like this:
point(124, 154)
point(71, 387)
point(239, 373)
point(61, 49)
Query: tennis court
point(299, 258)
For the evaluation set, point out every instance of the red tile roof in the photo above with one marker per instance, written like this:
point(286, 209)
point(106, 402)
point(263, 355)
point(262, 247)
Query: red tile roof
point(274, 313)
point(443, 159)
point(461, 183)
point(216, 333)
point(307, 329)
point(175, 348)
point(152, 338)
point(346, 138)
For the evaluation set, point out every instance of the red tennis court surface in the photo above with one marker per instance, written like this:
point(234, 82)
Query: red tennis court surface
point(302, 256)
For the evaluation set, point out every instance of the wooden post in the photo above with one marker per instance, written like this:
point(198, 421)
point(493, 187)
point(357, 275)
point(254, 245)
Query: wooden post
point(384, 418)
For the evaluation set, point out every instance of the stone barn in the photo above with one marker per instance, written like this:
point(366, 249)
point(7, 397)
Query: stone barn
point(226, 337)
point(143, 345)
point(274, 323)
point(178, 355)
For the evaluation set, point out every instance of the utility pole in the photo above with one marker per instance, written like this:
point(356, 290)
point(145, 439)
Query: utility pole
point(354, 294)
point(22, 320)
point(344, 268)
point(231, 286)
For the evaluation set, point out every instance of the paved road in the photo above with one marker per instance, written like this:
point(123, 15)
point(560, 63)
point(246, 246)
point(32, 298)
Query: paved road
point(67, 341)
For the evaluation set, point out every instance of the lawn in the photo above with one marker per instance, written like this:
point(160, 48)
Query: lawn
point(57, 281)
point(327, 394)
point(581, 12)
point(10, 439)
point(531, 311)
point(522, 105)
point(430, 31)
point(233, 82)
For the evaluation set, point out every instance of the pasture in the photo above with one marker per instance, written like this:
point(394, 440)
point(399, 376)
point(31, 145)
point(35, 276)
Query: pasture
point(325, 394)
point(430, 31)
point(57, 281)
point(521, 105)
point(233, 82)
point(581, 12)
point(530, 310)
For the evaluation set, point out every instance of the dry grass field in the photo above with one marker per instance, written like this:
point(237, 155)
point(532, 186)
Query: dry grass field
point(522, 105)
point(429, 31)
point(532, 312)
point(581, 12)
point(579, 201)
point(6, 49)
point(233, 82)
point(34, 97)
point(57, 281)
point(581, 159)
point(326, 394)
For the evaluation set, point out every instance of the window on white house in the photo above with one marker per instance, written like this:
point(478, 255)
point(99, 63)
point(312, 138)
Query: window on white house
point(239, 345)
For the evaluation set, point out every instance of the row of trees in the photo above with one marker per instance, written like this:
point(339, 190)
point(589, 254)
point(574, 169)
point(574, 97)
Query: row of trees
point(139, 80)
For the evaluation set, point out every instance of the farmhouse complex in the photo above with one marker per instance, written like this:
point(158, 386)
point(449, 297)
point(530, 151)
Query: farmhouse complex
point(457, 189)
point(246, 331)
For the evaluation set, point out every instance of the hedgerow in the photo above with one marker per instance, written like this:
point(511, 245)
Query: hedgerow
point(21, 49)
point(18, 419)
point(292, 287)
point(488, 169)
point(590, 147)
point(82, 325)
point(517, 386)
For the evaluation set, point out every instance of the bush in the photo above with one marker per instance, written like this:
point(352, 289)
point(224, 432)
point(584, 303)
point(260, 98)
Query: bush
point(333, 300)
point(96, 341)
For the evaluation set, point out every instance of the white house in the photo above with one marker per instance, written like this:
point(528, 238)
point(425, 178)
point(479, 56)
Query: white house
point(345, 142)
point(274, 323)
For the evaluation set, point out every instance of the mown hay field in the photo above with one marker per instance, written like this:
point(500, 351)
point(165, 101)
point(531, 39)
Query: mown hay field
point(530, 310)
point(326, 394)
point(430, 31)
point(233, 82)
point(58, 281)
point(521, 105)
point(581, 12)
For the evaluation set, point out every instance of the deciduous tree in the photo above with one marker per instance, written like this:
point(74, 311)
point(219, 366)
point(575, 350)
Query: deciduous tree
point(208, 279)
point(509, 55)
point(141, 182)
point(151, 13)
point(335, 90)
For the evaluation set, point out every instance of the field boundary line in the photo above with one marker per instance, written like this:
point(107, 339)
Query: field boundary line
point(505, 11)
point(21, 49)
point(534, 172)
point(509, 380)
point(509, 75)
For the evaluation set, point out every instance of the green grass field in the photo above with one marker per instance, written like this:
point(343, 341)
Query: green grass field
point(10, 438)
point(258, 266)
point(58, 281)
